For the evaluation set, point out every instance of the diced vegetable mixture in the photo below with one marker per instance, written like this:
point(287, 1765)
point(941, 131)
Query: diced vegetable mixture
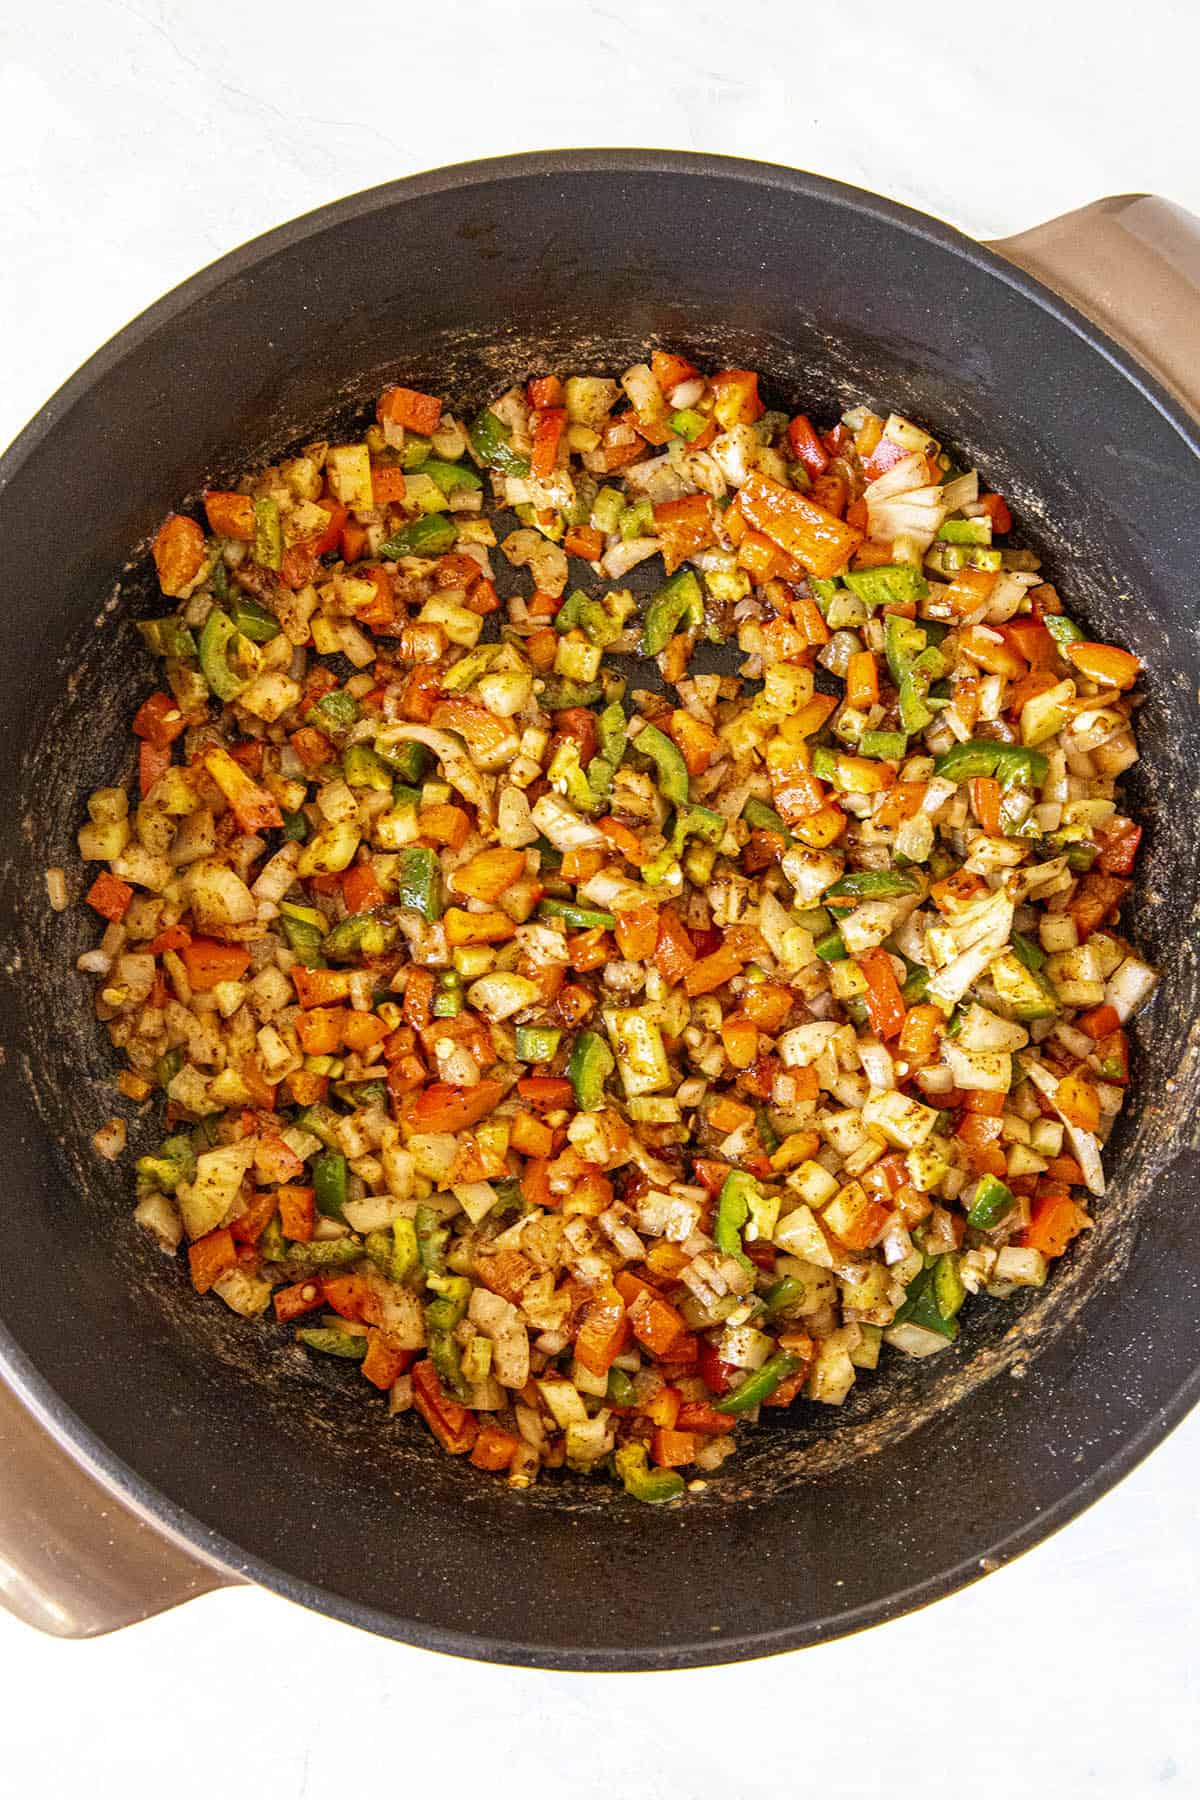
point(596, 1065)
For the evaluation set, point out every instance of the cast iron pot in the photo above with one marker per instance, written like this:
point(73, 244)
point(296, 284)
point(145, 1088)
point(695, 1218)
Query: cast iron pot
point(154, 1444)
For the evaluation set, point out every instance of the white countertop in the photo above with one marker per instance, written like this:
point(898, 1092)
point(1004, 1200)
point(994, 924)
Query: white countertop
point(140, 141)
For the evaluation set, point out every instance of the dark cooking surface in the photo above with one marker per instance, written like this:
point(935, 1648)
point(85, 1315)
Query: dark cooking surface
point(575, 263)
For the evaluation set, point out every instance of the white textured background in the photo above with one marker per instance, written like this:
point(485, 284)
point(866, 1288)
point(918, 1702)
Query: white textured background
point(140, 141)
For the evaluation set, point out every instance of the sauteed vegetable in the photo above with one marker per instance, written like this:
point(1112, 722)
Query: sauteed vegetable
point(595, 1065)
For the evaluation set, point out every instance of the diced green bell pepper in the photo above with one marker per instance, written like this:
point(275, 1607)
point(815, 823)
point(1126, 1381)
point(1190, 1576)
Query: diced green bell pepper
point(320, 1122)
point(432, 1237)
point(871, 884)
point(786, 1293)
point(576, 918)
point(167, 637)
point(448, 1000)
point(903, 642)
point(603, 767)
point(931, 1303)
point(330, 1342)
point(561, 692)
point(338, 1253)
point(915, 684)
point(268, 534)
point(979, 757)
point(451, 477)
point(692, 821)
point(831, 948)
point(761, 817)
point(364, 769)
point(333, 713)
point(592, 1062)
point(169, 1065)
point(607, 508)
point(966, 531)
point(889, 746)
point(430, 535)
point(253, 620)
point(759, 1385)
point(992, 1203)
point(651, 1486)
point(304, 940)
point(408, 761)
point(491, 441)
point(419, 882)
point(687, 423)
point(329, 1180)
point(1064, 631)
point(733, 1209)
point(916, 987)
point(680, 601)
point(174, 1161)
point(216, 641)
point(537, 1043)
point(621, 1391)
point(637, 520)
point(1029, 954)
point(362, 934)
point(415, 451)
point(673, 782)
point(295, 827)
point(578, 612)
point(394, 1251)
point(893, 584)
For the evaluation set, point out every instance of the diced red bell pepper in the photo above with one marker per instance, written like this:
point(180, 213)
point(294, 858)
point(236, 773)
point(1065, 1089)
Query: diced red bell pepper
point(406, 406)
point(454, 1427)
point(806, 445)
point(153, 762)
point(109, 896)
point(159, 720)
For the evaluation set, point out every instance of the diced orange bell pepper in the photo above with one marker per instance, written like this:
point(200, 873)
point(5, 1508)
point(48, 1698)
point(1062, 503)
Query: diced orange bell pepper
point(297, 1213)
point(422, 690)
point(406, 406)
point(418, 997)
point(361, 1031)
point(484, 733)
point(1056, 1220)
point(862, 681)
point(351, 1297)
point(739, 1035)
point(669, 370)
point(178, 552)
point(529, 1137)
point(987, 648)
point(387, 483)
point(807, 447)
point(985, 803)
point(444, 824)
point(997, 511)
point(210, 1257)
point(249, 1226)
point(684, 527)
point(454, 1427)
point(487, 875)
point(254, 808)
point(320, 987)
point(1104, 663)
point(767, 1004)
point(463, 927)
point(735, 397)
point(159, 720)
point(604, 1331)
point(109, 896)
point(713, 971)
point(1078, 1101)
point(494, 1449)
point(443, 1107)
point(655, 1323)
point(320, 1030)
point(546, 1093)
point(919, 1034)
point(725, 1114)
point(384, 1363)
point(969, 590)
point(293, 1302)
point(831, 492)
point(899, 803)
point(208, 962)
point(585, 542)
point(697, 741)
point(548, 426)
point(821, 828)
point(1095, 900)
point(805, 530)
point(230, 515)
point(885, 1006)
point(673, 953)
point(1101, 1022)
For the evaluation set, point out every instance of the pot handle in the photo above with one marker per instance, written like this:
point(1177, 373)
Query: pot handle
point(1131, 263)
point(74, 1560)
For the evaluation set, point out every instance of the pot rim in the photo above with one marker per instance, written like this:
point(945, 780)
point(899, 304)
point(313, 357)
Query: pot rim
point(42, 1400)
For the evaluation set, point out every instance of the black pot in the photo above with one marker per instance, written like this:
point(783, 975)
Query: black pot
point(232, 1456)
